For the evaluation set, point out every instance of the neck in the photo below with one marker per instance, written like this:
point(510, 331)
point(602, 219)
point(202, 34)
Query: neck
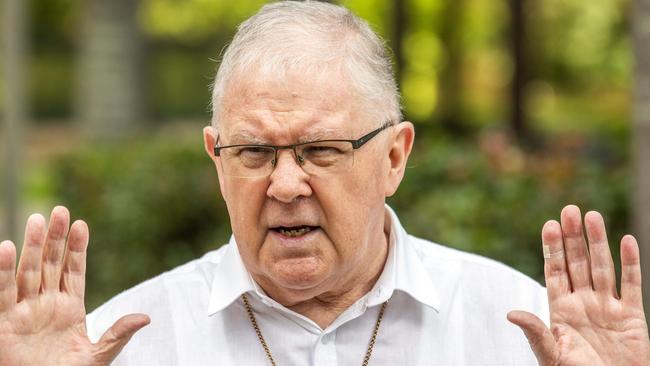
point(326, 307)
point(323, 306)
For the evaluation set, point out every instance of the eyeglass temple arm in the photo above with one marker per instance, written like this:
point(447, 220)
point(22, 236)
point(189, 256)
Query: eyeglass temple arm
point(355, 143)
point(361, 141)
point(217, 149)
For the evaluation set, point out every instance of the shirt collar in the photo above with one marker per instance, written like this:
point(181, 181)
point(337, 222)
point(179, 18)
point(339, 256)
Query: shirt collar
point(231, 279)
point(403, 271)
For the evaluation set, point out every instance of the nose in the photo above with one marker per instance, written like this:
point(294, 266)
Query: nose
point(288, 181)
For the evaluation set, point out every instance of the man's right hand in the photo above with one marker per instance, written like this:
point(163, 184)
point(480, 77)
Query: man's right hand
point(42, 313)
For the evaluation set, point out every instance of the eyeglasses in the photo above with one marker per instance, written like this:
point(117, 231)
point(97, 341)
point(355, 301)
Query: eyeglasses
point(315, 157)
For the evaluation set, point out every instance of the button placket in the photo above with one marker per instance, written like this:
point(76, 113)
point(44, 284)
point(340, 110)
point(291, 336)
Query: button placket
point(326, 350)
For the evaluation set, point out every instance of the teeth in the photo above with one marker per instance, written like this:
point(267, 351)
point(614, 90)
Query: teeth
point(294, 233)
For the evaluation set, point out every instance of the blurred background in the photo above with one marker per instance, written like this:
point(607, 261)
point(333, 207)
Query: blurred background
point(520, 106)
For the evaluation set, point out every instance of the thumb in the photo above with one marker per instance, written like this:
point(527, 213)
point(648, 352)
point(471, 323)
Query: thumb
point(539, 337)
point(117, 336)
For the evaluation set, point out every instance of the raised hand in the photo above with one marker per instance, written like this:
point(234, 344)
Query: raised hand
point(590, 323)
point(42, 313)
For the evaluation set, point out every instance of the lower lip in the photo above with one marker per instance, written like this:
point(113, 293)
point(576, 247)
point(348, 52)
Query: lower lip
point(294, 240)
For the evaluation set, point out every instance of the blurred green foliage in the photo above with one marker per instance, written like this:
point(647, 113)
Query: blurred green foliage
point(488, 196)
point(154, 203)
point(576, 53)
point(150, 205)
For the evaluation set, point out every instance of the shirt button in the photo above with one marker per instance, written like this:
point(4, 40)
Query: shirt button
point(363, 306)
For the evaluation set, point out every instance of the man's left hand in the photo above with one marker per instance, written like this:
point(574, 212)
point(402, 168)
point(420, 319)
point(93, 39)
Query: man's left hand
point(590, 323)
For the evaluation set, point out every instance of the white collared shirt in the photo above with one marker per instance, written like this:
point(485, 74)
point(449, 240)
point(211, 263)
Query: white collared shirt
point(445, 307)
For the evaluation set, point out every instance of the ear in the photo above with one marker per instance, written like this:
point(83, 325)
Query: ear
point(209, 142)
point(398, 154)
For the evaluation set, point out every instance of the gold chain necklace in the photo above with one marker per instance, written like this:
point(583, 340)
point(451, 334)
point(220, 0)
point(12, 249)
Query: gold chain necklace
point(251, 316)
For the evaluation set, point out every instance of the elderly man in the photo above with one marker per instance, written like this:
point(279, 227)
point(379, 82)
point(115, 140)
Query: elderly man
point(308, 142)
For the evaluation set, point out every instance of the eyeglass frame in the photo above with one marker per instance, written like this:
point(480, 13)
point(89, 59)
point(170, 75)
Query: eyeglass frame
point(356, 144)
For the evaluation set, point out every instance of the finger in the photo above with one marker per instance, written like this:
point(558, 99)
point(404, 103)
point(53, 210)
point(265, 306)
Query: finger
point(54, 248)
point(557, 278)
point(73, 278)
point(7, 275)
point(539, 337)
point(575, 248)
point(602, 265)
point(112, 342)
point(28, 277)
point(630, 272)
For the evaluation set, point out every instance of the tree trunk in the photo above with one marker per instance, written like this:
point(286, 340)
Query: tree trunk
point(399, 24)
point(110, 101)
point(518, 41)
point(451, 75)
point(14, 110)
point(640, 198)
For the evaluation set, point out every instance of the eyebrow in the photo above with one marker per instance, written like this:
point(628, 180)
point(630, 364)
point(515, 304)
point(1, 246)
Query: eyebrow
point(246, 137)
point(323, 133)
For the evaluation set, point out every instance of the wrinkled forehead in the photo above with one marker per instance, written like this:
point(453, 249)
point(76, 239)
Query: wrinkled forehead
point(259, 106)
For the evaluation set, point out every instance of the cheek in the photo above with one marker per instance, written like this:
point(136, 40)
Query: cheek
point(348, 203)
point(244, 199)
point(369, 179)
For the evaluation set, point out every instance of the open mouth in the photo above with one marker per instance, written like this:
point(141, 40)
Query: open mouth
point(294, 231)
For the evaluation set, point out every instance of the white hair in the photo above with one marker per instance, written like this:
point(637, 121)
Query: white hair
point(315, 38)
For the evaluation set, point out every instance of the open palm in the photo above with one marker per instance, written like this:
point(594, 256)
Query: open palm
point(590, 323)
point(42, 314)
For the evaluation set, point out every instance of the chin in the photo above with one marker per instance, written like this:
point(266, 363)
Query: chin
point(299, 273)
